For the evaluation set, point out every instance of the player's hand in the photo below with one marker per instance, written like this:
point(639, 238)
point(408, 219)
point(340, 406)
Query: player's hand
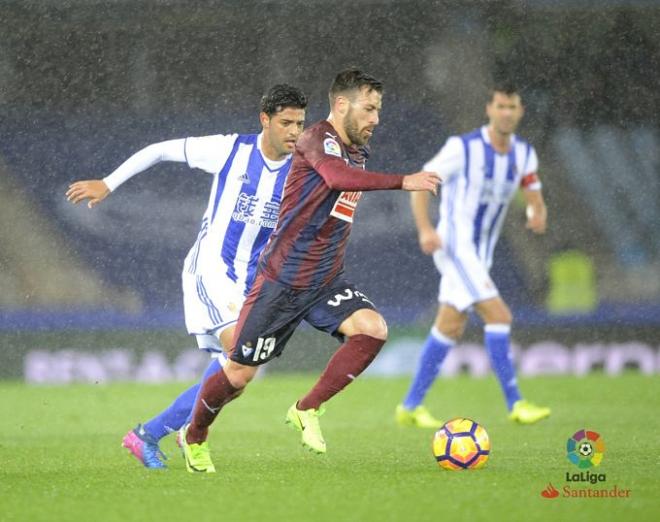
point(423, 180)
point(429, 241)
point(95, 190)
point(536, 219)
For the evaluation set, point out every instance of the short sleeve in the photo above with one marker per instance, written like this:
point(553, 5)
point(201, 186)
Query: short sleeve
point(449, 161)
point(209, 153)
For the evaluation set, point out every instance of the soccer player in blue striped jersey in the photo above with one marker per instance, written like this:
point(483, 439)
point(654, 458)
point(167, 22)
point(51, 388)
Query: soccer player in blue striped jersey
point(481, 172)
point(249, 172)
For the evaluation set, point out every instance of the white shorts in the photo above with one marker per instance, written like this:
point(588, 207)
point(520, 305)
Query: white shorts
point(210, 304)
point(464, 279)
point(211, 344)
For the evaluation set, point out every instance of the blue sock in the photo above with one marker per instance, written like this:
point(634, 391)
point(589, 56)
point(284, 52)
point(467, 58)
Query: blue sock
point(180, 410)
point(496, 339)
point(433, 353)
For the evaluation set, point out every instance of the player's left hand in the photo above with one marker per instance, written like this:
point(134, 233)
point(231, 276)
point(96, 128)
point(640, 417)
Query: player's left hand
point(536, 219)
point(95, 190)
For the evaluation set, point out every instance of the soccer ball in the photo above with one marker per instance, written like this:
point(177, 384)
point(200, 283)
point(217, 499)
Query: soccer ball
point(461, 444)
point(585, 449)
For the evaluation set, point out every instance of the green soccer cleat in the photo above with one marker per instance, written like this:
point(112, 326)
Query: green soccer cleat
point(420, 417)
point(307, 422)
point(197, 456)
point(528, 413)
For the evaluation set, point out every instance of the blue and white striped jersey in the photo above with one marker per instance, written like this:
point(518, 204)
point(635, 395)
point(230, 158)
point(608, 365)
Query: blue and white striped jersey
point(478, 185)
point(243, 205)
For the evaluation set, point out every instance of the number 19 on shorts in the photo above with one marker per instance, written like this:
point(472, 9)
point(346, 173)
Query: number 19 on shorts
point(264, 348)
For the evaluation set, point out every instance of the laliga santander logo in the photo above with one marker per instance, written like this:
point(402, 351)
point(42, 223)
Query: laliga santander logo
point(585, 449)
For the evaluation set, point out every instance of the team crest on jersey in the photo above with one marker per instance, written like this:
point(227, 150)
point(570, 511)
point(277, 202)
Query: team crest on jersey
point(345, 205)
point(331, 147)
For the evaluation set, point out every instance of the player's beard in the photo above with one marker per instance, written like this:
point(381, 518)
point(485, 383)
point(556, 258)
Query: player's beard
point(352, 131)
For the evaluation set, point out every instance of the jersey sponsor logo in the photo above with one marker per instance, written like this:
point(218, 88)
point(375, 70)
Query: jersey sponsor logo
point(344, 207)
point(331, 147)
point(347, 295)
point(248, 210)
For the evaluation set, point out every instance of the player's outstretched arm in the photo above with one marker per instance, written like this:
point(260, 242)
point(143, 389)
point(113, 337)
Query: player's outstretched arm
point(537, 213)
point(97, 190)
point(92, 190)
point(339, 176)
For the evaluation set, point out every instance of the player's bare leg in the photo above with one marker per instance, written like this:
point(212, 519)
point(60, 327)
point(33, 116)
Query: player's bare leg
point(497, 329)
point(447, 329)
point(366, 332)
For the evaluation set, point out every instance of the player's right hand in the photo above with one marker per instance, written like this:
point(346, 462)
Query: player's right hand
point(423, 180)
point(429, 241)
point(95, 190)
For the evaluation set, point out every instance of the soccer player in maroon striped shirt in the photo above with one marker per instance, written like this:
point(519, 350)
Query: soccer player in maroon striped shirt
point(300, 275)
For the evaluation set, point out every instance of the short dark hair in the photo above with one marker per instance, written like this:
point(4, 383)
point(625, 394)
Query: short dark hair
point(281, 96)
point(353, 78)
point(505, 87)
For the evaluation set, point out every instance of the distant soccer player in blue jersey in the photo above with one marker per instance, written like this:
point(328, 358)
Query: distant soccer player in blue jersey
point(249, 171)
point(300, 273)
point(481, 172)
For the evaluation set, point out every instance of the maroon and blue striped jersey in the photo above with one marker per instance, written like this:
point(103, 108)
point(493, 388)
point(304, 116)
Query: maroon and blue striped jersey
point(324, 185)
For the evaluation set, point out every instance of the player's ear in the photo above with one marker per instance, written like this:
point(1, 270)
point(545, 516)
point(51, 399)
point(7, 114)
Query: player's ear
point(264, 119)
point(341, 105)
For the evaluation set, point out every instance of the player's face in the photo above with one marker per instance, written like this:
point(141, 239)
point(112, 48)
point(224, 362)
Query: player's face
point(505, 112)
point(362, 116)
point(283, 129)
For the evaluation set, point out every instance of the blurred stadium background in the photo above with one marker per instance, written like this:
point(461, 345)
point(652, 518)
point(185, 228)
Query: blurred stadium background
point(94, 296)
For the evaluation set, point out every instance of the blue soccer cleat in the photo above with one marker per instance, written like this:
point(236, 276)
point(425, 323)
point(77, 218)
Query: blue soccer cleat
point(144, 447)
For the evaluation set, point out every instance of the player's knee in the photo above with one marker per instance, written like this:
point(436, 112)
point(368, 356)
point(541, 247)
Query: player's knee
point(365, 322)
point(375, 327)
point(453, 331)
point(450, 322)
point(500, 316)
point(239, 375)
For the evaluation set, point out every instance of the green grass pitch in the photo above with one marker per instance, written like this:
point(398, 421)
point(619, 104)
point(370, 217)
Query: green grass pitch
point(60, 455)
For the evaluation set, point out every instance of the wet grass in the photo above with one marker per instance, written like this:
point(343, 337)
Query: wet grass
point(60, 455)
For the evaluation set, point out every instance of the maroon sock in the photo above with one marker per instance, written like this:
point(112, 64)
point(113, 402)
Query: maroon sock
point(346, 364)
point(216, 392)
